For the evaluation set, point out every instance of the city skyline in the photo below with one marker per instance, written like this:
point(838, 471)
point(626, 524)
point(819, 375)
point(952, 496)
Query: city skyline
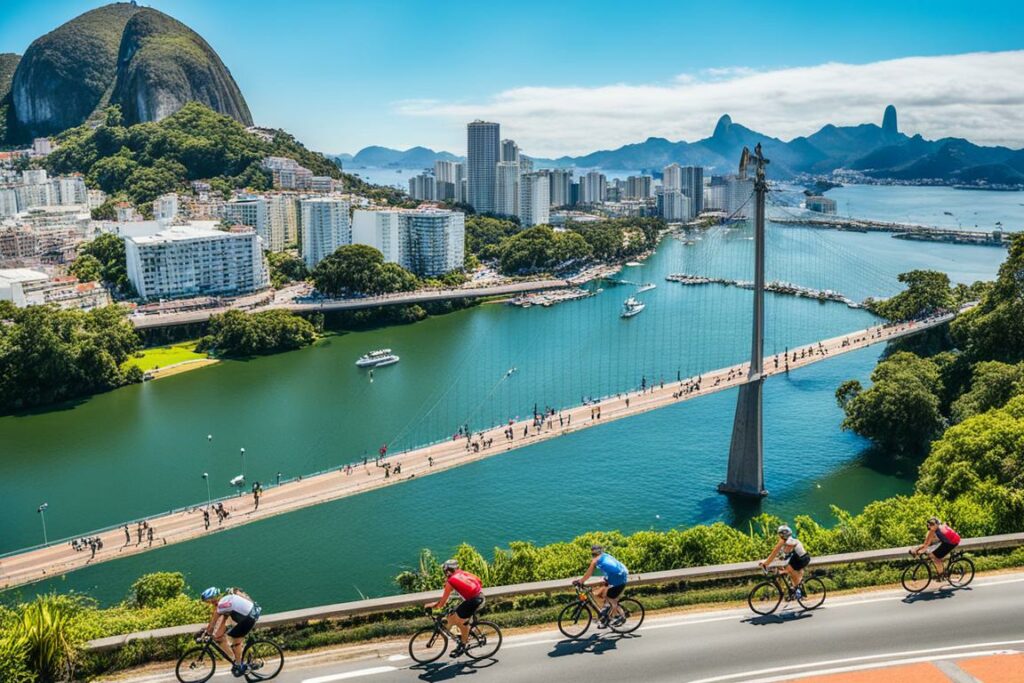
point(577, 84)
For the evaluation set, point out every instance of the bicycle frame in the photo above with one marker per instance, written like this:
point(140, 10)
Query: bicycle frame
point(215, 647)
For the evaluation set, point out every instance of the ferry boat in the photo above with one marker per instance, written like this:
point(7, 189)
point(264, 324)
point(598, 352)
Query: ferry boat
point(376, 359)
point(631, 307)
point(646, 287)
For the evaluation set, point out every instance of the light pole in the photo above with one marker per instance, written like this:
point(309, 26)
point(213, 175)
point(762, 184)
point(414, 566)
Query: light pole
point(209, 500)
point(243, 462)
point(42, 515)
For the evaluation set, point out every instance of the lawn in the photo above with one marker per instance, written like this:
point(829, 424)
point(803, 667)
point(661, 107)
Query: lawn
point(162, 356)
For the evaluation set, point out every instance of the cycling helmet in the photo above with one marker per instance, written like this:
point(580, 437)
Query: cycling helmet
point(934, 520)
point(210, 593)
point(784, 531)
point(450, 565)
point(596, 549)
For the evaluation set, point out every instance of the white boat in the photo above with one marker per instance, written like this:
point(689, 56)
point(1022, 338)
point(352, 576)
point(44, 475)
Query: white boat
point(633, 264)
point(631, 307)
point(646, 287)
point(376, 358)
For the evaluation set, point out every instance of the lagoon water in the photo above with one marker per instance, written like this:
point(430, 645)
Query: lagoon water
point(142, 449)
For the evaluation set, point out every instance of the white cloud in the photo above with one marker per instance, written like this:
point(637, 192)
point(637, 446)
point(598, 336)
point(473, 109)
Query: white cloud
point(978, 96)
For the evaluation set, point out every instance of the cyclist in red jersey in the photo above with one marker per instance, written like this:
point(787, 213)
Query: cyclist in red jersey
point(469, 587)
point(946, 538)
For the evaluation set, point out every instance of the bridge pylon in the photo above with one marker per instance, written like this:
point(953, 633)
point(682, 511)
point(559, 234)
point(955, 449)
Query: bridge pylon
point(745, 474)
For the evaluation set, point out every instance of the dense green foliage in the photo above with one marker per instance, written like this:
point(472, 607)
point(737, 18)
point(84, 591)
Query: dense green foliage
point(195, 143)
point(103, 259)
point(285, 268)
point(927, 291)
point(237, 333)
point(48, 355)
point(618, 239)
point(994, 330)
point(360, 269)
point(540, 249)
point(485, 233)
point(993, 384)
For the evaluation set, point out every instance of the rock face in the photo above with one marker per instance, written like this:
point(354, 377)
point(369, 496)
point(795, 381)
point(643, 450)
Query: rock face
point(143, 60)
point(162, 64)
point(64, 76)
point(889, 121)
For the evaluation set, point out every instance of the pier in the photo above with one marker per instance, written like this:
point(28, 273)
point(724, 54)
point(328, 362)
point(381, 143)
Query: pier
point(906, 231)
point(777, 287)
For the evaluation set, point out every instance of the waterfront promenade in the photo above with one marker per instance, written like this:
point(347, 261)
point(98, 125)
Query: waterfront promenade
point(346, 480)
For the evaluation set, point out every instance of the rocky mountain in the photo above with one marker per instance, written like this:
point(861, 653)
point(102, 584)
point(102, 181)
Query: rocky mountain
point(384, 157)
point(138, 58)
point(881, 152)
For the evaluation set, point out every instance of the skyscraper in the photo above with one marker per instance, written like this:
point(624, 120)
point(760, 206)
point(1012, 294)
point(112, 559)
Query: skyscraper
point(483, 153)
point(445, 183)
point(325, 227)
point(506, 193)
point(534, 199)
point(593, 187)
point(693, 187)
point(509, 150)
point(560, 191)
point(672, 177)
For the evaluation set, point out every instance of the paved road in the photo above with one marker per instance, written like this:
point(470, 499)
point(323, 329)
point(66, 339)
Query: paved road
point(175, 527)
point(728, 646)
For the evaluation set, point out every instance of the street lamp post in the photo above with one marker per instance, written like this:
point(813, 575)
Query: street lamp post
point(243, 462)
point(42, 515)
point(209, 499)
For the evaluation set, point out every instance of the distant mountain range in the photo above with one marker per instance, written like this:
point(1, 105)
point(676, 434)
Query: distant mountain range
point(385, 157)
point(879, 152)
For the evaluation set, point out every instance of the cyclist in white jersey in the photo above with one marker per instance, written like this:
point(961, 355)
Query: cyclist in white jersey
point(235, 605)
point(793, 551)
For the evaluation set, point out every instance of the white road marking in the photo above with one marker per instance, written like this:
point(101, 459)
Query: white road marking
point(934, 653)
point(351, 674)
point(879, 665)
point(397, 658)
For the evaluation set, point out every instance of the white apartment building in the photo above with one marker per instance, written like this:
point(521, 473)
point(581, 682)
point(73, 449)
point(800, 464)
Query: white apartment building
point(448, 179)
point(165, 207)
point(8, 201)
point(672, 177)
point(325, 226)
point(534, 199)
point(675, 206)
point(506, 189)
point(593, 187)
point(251, 211)
point(283, 220)
point(196, 259)
point(423, 187)
point(739, 194)
point(560, 186)
point(436, 240)
point(639, 187)
point(383, 231)
point(24, 287)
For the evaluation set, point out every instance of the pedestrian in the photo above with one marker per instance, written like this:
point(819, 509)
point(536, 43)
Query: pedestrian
point(127, 535)
point(138, 533)
point(206, 518)
point(149, 536)
point(430, 460)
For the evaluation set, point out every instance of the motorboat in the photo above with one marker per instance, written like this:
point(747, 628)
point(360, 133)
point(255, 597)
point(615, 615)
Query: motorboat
point(377, 358)
point(631, 307)
point(633, 264)
point(646, 287)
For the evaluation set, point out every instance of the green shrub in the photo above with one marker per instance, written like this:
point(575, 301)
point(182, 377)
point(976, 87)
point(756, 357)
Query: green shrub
point(151, 590)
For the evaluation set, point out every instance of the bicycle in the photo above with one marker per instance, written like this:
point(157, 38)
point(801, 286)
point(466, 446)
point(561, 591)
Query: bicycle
point(766, 596)
point(575, 618)
point(264, 660)
point(429, 643)
point(919, 575)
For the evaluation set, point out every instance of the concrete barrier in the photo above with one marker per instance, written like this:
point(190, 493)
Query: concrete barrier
point(396, 602)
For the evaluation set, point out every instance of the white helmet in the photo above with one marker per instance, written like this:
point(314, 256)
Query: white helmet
point(784, 531)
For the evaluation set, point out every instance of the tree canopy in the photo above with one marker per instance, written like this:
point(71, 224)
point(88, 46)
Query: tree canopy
point(237, 333)
point(104, 259)
point(540, 249)
point(360, 269)
point(927, 291)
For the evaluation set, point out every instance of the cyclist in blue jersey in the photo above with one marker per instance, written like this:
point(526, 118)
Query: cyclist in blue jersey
point(610, 589)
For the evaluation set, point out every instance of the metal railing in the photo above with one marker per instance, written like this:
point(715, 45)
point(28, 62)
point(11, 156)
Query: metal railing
point(397, 602)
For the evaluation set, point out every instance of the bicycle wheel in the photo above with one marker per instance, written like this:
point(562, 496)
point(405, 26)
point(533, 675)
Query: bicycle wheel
point(196, 665)
point(575, 619)
point(812, 593)
point(264, 659)
point(916, 577)
point(484, 640)
point(634, 613)
point(960, 572)
point(765, 598)
point(428, 644)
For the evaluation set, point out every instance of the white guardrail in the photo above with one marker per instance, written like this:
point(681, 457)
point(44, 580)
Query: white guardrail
point(396, 602)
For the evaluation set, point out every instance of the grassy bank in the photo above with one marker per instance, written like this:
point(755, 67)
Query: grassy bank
point(162, 356)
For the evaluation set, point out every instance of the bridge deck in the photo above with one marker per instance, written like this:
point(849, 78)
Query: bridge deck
point(40, 563)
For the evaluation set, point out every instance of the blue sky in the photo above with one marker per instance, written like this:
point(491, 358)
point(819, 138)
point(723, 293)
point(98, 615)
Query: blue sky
point(342, 75)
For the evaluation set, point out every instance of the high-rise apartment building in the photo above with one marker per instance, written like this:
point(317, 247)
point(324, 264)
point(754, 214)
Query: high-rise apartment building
point(435, 240)
point(381, 230)
point(692, 178)
point(194, 260)
point(283, 219)
point(506, 190)
point(560, 190)
point(672, 177)
point(325, 227)
point(593, 187)
point(739, 192)
point(483, 153)
point(509, 151)
point(251, 211)
point(534, 199)
point(639, 187)
point(675, 206)
point(447, 180)
point(423, 187)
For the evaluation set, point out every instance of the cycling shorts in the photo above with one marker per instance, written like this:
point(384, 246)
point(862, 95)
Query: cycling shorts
point(468, 608)
point(798, 562)
point(241, 628)
point(615, 591)
point(943, 549)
